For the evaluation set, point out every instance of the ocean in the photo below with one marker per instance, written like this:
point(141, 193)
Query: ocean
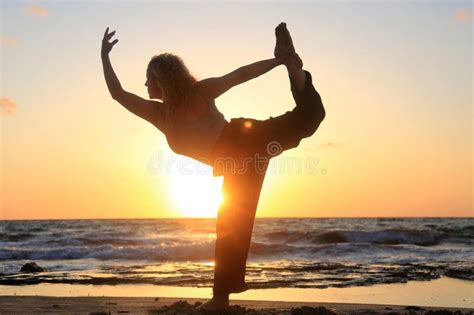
point(285, 252)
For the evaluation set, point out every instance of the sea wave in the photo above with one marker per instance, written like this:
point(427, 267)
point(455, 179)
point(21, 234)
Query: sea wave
point(160, 252)
point(296, 252)
point(389, 236)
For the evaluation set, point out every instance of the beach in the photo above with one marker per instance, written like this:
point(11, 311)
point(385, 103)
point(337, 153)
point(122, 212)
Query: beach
point(147, 305)
point(414, 297)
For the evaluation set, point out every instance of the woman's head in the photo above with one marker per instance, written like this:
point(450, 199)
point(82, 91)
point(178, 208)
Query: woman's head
point(168, 78)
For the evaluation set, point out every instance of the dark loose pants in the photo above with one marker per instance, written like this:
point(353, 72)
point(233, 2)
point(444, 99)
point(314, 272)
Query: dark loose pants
point(242, 154)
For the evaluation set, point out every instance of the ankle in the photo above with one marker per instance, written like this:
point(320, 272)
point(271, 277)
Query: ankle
point(297, 78)
point(223, 297)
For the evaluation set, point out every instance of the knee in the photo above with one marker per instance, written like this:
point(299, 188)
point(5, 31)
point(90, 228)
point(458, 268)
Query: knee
point(312, 120)
point(311, 110)
point(310, 128)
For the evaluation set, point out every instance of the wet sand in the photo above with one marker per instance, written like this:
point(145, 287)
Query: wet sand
point(149, 305)
point(443, 292)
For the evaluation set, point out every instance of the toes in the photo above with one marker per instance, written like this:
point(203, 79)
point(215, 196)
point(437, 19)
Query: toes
point(284, 45)
point(280, 27)
point(279, 32)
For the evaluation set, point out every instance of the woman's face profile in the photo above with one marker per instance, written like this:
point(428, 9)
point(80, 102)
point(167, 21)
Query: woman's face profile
point(154, 91)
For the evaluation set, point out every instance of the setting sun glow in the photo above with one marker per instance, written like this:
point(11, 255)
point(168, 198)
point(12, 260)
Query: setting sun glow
point(197, 196)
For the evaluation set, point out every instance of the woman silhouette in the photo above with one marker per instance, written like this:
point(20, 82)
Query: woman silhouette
point(239, 150)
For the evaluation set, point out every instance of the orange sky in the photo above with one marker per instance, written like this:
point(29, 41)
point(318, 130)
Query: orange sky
point(396, 81)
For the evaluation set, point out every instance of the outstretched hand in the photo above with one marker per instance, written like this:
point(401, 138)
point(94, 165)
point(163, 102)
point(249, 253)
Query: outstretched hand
point(106, 45)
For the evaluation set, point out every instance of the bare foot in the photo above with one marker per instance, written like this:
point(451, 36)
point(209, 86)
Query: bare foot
point(219, 302)
point(284, 48)
point(287, 39)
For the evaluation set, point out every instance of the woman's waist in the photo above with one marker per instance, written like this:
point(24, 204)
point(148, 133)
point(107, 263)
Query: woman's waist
point(237, 143)
point(237, 135)
point(196, 144)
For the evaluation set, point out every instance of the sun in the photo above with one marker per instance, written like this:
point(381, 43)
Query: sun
point(197, 196)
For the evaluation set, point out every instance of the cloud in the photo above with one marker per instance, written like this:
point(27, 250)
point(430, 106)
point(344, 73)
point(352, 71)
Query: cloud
point(463, 15)
point(330, 144)
point(36, 10)
point(7, 106)
point(8, 41)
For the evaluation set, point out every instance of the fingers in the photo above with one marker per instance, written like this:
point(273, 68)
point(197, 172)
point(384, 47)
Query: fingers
point(107, 35)
point(110, 35)
point(113, 43)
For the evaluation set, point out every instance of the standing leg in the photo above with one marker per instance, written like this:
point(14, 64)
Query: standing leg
point(234, 228)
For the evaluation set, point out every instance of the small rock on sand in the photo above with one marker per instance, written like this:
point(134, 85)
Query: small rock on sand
point(32, 267)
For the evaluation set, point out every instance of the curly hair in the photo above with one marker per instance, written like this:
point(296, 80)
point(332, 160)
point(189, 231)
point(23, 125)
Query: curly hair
point(172, 75)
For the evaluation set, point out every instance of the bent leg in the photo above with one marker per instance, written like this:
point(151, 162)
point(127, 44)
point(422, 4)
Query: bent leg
point(235, 221)
point(309, 111)
point(274, 135)
point(289, 129)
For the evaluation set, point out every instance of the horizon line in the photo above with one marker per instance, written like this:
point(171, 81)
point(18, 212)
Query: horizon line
point(201, 218)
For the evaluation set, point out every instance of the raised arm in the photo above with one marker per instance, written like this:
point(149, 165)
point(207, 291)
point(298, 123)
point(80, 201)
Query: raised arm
point(211, 88)
point(146, 109)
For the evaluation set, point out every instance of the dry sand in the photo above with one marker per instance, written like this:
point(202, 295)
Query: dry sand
point(147, 305)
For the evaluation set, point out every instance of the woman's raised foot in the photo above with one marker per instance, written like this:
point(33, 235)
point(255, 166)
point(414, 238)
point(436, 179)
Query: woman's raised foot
point(284, 49)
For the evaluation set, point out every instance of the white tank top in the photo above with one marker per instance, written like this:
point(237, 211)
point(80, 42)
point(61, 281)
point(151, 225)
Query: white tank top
point(195, 138)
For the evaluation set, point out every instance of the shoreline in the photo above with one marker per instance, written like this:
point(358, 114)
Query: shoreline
point(147, 305)
point(440, 293)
